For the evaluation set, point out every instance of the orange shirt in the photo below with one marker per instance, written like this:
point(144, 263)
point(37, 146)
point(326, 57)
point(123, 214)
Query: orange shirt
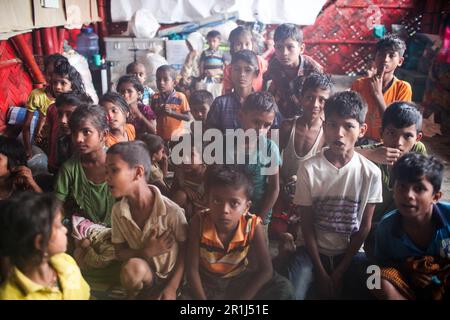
point(112, 140)
point(227, 85)
point(398, 91)
point(166, 125)
point(231, 261)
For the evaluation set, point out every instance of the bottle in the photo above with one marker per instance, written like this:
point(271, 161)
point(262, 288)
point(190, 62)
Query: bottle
point(87, 44)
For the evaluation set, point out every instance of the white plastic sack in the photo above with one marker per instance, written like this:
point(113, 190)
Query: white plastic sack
point(80, 63)
point(224, 29)
point(152, 62)
point(143, 24)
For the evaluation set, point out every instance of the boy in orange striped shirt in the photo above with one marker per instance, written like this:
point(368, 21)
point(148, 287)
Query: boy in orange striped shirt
point(227, 252)
point(383, 88)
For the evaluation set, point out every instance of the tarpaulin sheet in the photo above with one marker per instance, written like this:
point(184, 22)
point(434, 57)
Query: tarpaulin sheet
point(301, 12)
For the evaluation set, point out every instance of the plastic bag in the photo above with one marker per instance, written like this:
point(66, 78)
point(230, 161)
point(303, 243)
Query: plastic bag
point(143, 24)
point(80, 63)
point(152, 62)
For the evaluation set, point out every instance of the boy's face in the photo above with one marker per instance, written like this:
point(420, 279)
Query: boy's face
point(313, 102)
point(227, 205)
point(400, 138)
point(119, 175)
point(60, 85)
point(242, 74)
point(64, 113)
point(213, 42)
point(387, 60)
point(259, 121)
point(341, 134)
point(415, 199)
point(200, 112)
point(288, 51)
point(164, 82)
point(140, 72)
point(58, 237)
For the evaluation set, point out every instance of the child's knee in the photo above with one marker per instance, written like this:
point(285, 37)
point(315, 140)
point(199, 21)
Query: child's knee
point(180, 197)
point(135, 274)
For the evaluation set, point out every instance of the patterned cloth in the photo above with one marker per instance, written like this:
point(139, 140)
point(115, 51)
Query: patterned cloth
point(282, 86)
point(101, 252)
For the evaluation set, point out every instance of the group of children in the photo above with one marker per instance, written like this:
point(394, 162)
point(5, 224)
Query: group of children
point(203, 233)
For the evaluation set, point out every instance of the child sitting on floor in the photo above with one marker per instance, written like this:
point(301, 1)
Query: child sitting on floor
point(227, 252)
point(401, 131)
point(15, 176)
point(34, 239)
point(160, 161)
point(413, 242)
point(149, 230)
point(336, 193)
point(188, 189)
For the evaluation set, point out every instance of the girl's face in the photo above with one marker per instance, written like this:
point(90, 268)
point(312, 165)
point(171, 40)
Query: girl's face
point(244, 42)
point(157, 156)
point(64, 113)
point(128, 92)
point(4, 172)
point(117, 118)
point(58, 238)
point(60, 85)
point(87, 138)
point(242, 74)
point(227, 205)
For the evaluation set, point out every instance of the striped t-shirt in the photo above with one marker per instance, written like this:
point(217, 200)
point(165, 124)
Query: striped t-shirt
point(231, 261)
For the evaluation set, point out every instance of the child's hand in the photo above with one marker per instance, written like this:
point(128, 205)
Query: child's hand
point(169, 293)
point(420, 279)
point(155, 246)
point(23, 176)
point(325, 285)
point(167, 110)
point(376, 83)
point(385, 155)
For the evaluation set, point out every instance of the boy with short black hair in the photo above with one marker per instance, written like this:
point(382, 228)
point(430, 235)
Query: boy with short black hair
point(288, 64)
point(200, 101)
point(228, 256)
point(148, 229)
point(138, 69)
point(262, 154)
point(302, 136)
point(212, 59)
point(401, 131)
point(383, 88)
point(413, 241)
point(171, 107)
point(336, 193)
